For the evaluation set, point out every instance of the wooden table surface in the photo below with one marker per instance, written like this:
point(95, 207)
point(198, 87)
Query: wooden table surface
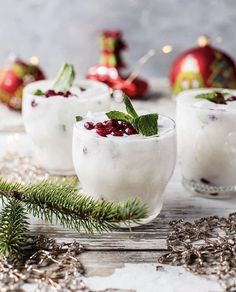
point(127, 261)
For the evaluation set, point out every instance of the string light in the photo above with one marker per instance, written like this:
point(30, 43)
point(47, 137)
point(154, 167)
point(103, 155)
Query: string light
point(34, 60)
point(203, 41)
point(167, 49)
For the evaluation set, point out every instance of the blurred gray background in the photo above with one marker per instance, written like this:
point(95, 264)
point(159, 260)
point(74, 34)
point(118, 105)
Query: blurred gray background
point(67, 30)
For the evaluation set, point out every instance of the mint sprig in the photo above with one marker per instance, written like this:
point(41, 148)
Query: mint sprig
point(38, 92)
point(78, 118)
point(119, 116)
point(129, 107)
point(65, 78)
point(144, 124)
point(217, 97)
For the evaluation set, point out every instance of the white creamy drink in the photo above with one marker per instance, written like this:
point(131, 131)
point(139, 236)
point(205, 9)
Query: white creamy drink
point(49, 119)
point(206, 135)
point(115, 163)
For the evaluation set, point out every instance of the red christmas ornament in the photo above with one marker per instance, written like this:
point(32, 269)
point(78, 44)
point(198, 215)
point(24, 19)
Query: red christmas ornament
point(13, 78)
point(203, 66)
point(111, 64)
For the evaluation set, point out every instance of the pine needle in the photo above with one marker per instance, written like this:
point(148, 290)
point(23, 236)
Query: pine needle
point(13, 228)
point(59, 200)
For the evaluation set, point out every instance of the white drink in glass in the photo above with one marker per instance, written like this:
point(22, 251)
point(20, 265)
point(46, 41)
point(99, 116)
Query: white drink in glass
point(116, 168)
point(206, 136)
point(49, 121)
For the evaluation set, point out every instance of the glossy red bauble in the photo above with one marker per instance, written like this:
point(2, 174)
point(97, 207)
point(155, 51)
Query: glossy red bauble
point(203, 66)
point(13, 78)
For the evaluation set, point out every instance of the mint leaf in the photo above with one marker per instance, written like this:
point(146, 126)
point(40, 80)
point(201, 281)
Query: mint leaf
point(38, 92)
point(116, 115)
point(129, 107)
point(146, 124)
point(65, 78)
point(214, 96)
point(78, 118)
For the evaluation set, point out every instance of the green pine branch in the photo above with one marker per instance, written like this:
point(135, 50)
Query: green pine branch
point(59, 200)
point(13, 228)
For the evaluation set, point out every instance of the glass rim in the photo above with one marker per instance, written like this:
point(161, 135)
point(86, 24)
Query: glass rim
point(183, 94)
point(27, 91)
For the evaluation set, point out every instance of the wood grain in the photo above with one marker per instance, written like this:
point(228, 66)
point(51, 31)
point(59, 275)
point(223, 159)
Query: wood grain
point(178, 204)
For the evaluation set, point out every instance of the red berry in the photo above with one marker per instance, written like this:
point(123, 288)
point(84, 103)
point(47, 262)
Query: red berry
point(130, 131)
point(111, 127)
point(51, 92)
point(34, 103)
point(101, 132)
point(125, 125)
point(115, 123)
point(108, 123)
point(108, 130)
point(99, 125)
point(89, 125)
point(67, 94)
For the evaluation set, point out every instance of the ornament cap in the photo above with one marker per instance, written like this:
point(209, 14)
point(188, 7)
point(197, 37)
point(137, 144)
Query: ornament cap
point(203, 40)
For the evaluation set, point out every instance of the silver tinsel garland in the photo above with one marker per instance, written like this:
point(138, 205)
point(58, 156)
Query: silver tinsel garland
point(205, 247)
point(46, 264)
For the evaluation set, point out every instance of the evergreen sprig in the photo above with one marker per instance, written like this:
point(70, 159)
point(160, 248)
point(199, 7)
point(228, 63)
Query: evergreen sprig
point(13, 228)
point(59, 200)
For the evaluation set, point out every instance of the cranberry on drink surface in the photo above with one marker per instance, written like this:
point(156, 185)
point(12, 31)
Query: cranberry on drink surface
point(89, 125)
point(231, 98)
point(111, 127)
point(130, 131)
point(99, 125)
point(52, 92)
point(101, 132)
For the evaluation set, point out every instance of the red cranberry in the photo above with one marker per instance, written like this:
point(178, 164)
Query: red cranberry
point(67, 94)
point(111, 127)
point(109, 130)
point(101, 132)
point(117, 133)
point(119, 126)
point(34, 103)
point(108, 123)
point(50, 93)
point(231, 98)
point(99, 125)
point(130, 131)
point(125, 125)
point(89, 125)
point(115, 123)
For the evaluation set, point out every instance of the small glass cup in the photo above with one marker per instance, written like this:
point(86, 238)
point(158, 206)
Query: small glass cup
point(118, 168)
point(206, 138)
point(49, 121)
